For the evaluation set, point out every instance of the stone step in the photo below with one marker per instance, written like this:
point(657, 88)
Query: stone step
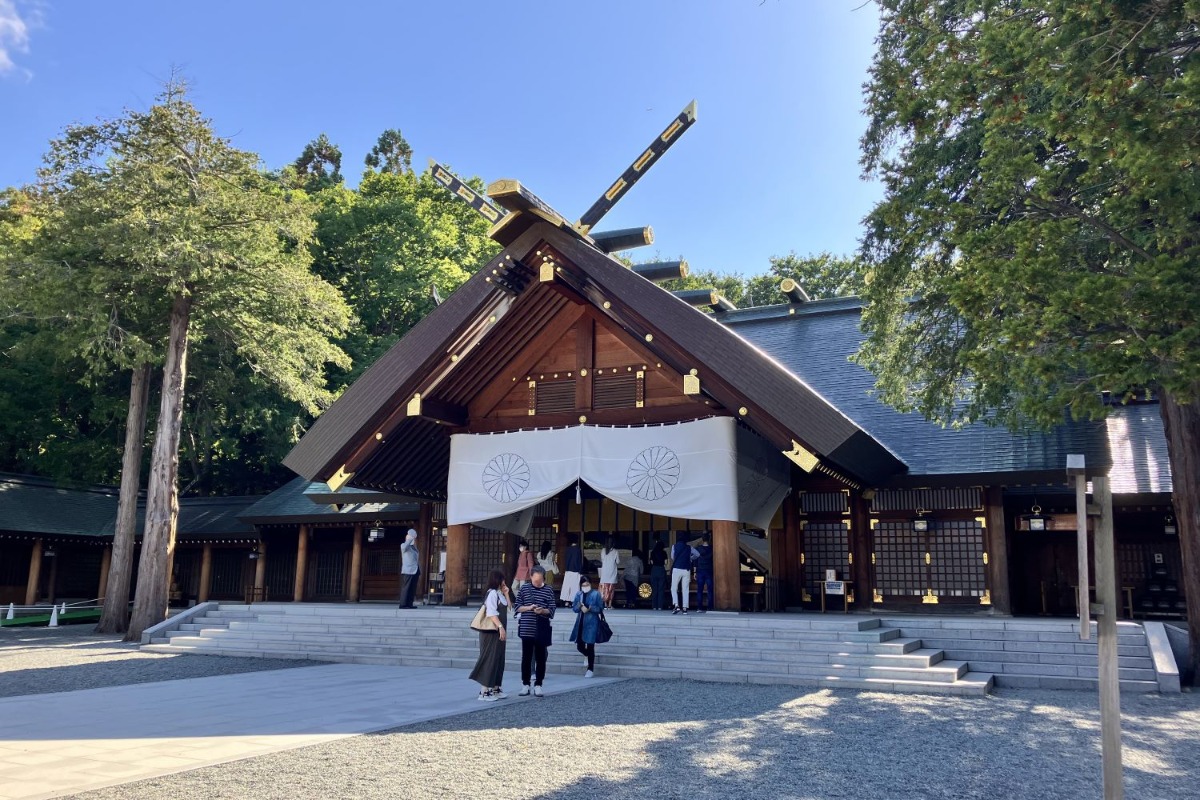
point(1073, 683)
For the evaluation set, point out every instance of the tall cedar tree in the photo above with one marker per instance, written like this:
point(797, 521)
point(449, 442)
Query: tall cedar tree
point(190, 241)
point(1040, 160)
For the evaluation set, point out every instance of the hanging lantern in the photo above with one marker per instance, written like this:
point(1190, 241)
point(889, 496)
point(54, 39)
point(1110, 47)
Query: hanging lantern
point(920, 523)
point(1036, 519)
point(1169, 526)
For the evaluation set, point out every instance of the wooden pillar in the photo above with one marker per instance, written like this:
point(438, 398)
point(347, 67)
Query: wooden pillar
point(301, 564)
point(205, 574)
point(860, 546)
point(793, 546)
point(35, 573)
point(260, 569)
point(1110, 685)
point(52, 583)
point(356, 563)
point(458, 549)
point(997, 550)
point(105, 565)
point(727, 571)
point(425, 546)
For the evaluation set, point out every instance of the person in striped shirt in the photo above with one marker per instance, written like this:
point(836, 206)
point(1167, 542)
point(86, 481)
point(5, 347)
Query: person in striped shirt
point(535, 606)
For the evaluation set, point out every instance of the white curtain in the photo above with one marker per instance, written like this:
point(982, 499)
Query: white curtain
point(688, 470)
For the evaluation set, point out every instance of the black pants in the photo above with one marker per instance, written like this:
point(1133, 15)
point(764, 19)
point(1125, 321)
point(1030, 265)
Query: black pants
point(408, 589)
point(631, 595)
point(588, 650)
point(658, 582)
point(532, 651)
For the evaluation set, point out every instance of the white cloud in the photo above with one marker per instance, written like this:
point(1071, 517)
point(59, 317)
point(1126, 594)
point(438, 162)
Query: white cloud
point(14, 37)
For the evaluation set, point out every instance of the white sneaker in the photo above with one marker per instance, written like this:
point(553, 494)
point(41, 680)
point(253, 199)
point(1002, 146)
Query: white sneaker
point(537, 691)
point(499, 695)
point(587, 674)
point(490, 697)
point(524, 691)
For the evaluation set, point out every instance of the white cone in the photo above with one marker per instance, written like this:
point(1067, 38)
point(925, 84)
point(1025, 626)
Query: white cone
point(63, 610)
point(53, 617)
point(10, 611)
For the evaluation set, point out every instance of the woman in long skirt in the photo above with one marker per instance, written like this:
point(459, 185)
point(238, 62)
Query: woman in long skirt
point(489, 669)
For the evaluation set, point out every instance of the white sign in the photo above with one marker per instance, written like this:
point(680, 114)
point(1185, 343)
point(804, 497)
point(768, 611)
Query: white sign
point(835, 587)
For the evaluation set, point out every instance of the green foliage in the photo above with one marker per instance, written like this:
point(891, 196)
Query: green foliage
point(391, 153)
point(822, 275)
point(386, 244)
point(1040, 164)
point(318, 166)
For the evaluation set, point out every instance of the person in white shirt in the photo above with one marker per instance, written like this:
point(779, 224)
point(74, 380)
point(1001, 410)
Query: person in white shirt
point(489, 668)
point(548, 561)
point(610, 562)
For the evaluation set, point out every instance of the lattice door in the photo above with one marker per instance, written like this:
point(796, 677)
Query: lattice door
point(329, 573)
point(486, 554)
point(957, 569)
point(826, 546)
point(900, 568)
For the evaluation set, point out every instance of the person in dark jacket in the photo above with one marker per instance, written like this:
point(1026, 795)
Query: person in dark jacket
point(573, 562)
point(704, 575)
point(681, 573)
point(658, 576)
point(589, 605)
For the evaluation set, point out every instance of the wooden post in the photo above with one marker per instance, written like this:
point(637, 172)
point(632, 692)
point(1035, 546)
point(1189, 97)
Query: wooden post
point(793, 546)
point(860, 546)
point(301, 564)
point(1083, 580)
point(458, 548)
point(425, 546)
point(260, 570)
point(727, 570)
point(997, 550)
point(52, 583)
point(35, 573)
point(205, 574)
point(356, 563)
point(105, 565)
point(1110, 684)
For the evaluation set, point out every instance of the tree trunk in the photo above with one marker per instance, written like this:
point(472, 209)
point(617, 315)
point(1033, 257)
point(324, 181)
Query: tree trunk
point(1182, 424)
point(162, 499)
point(116, 600)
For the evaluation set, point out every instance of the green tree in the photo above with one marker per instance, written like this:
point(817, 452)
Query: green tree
point(319, 165)
point(391, 153)
point(1040, 161)
point(186, 239)
point(384, 244)
point(822, 276)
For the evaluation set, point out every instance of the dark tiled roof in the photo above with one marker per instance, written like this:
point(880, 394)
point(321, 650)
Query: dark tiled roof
point(293, 504)
point(816, 342)
point(38, 505)
point(206, 518)
point(1139, 450)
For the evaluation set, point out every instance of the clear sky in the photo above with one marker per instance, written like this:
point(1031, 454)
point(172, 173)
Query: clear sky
point(560, 95)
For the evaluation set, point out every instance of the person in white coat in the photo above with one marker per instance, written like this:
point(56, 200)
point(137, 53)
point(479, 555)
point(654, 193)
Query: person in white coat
point(610, 562)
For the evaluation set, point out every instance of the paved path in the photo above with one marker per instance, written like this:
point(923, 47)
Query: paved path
point(56, 744)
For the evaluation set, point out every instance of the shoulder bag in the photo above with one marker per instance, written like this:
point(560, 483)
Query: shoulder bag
point(482, 622)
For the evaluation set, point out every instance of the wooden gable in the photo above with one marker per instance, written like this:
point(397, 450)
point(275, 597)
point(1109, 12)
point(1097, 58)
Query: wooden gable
point(596, 370)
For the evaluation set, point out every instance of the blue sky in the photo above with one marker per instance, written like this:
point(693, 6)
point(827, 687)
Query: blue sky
point(560, 95)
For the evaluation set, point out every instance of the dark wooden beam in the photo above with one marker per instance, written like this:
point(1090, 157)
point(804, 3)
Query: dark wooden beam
point(607, 416)
point(794, 291)
point(698, 298)
point(623, 239)
point(659, 271)
point(440, 410)
point(585, 352)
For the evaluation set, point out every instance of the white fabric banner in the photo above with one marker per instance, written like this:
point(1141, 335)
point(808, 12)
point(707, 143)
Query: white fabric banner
point(688, 470)
point(494, 475)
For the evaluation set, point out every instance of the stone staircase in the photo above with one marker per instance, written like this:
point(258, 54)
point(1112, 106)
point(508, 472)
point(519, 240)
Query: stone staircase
point(1033, 653)
point(801, 650)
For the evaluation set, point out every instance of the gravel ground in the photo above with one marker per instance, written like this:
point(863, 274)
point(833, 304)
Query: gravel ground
point(680, 739)
point(42, 660)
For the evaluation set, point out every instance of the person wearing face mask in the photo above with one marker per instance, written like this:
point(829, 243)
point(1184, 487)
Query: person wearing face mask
point(535, 607)
point(588, 606)
point(525, 563)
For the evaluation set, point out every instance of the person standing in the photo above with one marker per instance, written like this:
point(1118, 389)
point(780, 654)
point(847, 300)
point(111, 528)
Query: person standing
point(574, 568)
point(633, 579)
point(588, 606)
point(535, 609)
point(548, 561)
point(410, 569)
point(610, 562)
point(525, 563)
point(704, 575)
point(658, 576)
point(489, 667)
point(681, 573)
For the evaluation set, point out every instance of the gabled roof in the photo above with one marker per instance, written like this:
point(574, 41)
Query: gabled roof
point(293, 503)
point(816, 339)
point(357, 431)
